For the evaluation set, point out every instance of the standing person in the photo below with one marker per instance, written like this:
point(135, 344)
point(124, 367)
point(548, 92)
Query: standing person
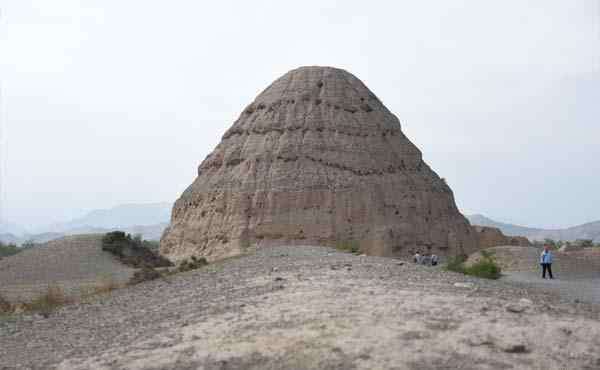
point(546, 261)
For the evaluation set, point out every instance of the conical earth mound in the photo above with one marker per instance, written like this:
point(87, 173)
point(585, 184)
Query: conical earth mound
point(316, 159)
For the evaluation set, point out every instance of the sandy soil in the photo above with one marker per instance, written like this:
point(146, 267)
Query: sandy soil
point(312, 308)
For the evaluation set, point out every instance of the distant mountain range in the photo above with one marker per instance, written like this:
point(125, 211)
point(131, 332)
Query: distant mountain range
point(122, 216)
point(149, 220)
point(589, 230)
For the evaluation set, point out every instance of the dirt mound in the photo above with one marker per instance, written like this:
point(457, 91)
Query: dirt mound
point(488, 237)
point(73, 262)
point(316, 159)
point(511, 258)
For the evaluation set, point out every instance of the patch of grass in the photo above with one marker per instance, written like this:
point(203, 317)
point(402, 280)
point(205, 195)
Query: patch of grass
point(456, 264)
point(486, 267)
point(105, 284)
point(350, 246)
point(53, 298)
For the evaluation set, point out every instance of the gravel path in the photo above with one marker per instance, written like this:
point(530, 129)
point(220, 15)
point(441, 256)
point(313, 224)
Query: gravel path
point(311, 308)
point(576, 274)
point(568, 288)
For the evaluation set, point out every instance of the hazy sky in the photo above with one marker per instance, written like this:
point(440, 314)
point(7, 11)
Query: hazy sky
point(107, 102)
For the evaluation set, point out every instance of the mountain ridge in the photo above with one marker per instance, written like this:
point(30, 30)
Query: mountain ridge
point(589, 230)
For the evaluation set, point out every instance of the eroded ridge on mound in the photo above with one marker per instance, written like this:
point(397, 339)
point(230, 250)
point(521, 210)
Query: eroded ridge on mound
point(316, 159)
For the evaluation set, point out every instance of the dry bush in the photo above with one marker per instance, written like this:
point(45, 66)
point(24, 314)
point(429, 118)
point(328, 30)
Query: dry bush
point(5, 306)
point(105, 285)
point(144, 274)
point(53, 298)
point(193, 264)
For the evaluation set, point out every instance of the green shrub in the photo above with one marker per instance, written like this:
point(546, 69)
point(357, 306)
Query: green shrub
point(456, 264)
point(132, 251)
point(193, 264)
point(486, 267)
point(8, 249)
point(350, 246)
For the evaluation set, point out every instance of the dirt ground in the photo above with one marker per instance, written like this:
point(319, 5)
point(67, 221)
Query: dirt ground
point(576, 274)
point(311, 308)
point(75, 263)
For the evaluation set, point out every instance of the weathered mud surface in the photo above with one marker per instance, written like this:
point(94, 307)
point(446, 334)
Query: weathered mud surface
point(311, 308)
point(316, 159)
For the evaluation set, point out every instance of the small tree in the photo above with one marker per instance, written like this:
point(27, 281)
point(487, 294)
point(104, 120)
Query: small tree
point(8, 249)
point(584, 243)
point(30, 243)
point(551, 242)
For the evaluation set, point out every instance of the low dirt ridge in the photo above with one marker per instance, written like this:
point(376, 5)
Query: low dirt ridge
point(74, 263)
point(311, 308)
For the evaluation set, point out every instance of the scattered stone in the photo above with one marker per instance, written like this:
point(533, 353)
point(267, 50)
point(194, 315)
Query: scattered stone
point(464, 285)
point(566, 331)
point(516, 348)
point(522, 305)
point(480, 340)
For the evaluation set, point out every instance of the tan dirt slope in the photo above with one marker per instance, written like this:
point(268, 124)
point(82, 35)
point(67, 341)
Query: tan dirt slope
point(73, 262)
point(312, 308)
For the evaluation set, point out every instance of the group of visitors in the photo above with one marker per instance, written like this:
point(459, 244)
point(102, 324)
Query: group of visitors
point(425, 259)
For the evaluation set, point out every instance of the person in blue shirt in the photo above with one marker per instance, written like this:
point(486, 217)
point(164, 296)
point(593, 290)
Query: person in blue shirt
point(546, 262)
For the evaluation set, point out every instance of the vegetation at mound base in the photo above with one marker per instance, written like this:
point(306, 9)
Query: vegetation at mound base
point(193, 264)
point(10, 249)
point(556, 244)
point(133, 251)
point(486, 267)
point(44, 304)
point(350, 246)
